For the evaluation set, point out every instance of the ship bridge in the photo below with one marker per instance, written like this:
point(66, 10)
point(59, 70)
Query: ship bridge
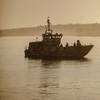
point(49, 37)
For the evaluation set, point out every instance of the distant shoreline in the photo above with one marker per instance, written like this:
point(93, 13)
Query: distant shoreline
point(67, 30)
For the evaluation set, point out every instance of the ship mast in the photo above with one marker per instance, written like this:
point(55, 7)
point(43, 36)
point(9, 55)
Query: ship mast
point(48, 29)
point(48, 23)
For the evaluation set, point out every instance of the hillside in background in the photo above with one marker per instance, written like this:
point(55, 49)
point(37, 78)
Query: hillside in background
point(68, 29)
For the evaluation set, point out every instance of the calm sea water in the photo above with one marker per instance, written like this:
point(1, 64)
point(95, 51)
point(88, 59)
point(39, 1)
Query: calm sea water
point(24, 79)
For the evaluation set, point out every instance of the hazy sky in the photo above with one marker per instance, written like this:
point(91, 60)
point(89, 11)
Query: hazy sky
point(28, 13)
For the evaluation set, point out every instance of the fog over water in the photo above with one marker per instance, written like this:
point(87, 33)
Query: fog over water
point(24, 79)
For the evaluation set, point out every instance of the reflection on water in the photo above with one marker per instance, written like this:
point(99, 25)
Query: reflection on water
point(50, 63)
point(49, 80)
point(27, 79)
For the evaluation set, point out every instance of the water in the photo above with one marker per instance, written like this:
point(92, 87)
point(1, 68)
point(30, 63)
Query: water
point(24, 79)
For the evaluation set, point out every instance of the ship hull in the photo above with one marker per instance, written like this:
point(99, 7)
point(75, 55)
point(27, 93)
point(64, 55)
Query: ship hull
point(70, 52)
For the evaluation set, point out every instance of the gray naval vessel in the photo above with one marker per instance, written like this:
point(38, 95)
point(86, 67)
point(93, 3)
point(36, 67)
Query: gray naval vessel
point(50, 47)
